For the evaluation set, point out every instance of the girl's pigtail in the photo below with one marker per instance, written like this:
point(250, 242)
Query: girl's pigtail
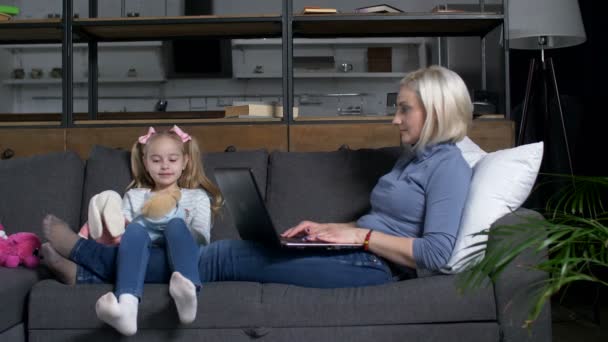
point(194, 176)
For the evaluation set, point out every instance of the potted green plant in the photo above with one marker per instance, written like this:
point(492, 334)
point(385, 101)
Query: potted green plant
point(574, 236)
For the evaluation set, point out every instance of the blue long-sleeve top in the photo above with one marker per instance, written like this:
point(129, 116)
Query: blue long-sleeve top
point(422, 197)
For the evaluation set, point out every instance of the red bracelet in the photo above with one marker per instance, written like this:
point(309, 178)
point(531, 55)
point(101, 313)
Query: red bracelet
point(366, 241)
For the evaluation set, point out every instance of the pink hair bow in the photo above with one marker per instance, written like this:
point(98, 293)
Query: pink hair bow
point(183, 135)
point(144, 138)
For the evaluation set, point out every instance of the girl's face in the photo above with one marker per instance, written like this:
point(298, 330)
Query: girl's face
point(165, 161)
point(410, 116)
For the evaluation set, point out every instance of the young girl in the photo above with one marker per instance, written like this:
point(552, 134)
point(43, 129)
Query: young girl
point(162, 162)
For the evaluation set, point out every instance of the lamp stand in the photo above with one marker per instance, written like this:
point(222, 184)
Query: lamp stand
point(547, 74)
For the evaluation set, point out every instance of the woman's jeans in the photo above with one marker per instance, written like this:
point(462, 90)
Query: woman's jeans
point(136, 260)
point(236, 260)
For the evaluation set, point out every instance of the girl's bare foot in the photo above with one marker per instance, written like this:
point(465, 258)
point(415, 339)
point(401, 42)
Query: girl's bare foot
point(59, 234)
point(63, 269)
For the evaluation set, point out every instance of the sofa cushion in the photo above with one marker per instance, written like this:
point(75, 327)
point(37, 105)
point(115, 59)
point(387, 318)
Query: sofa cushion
point(324, 186)
point(227, 304)
point(422, 300)
point(35, 186)
point(16, 284)
point(15, 333)
point(243, 304)
point(106, 169)
point(465, 331)
point(109, 169)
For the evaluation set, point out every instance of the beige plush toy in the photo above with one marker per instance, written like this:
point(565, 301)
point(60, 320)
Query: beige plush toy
point(106, 222)
point(161, 204)
point(105, 213)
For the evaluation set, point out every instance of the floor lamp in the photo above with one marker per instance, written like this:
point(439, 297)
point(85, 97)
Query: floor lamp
point(542, 25)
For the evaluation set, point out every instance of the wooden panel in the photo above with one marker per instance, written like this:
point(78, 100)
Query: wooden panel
point(493, 135)
point(81, 140)
point(158, 28)
point(26, 142)
point(212, 138)
point(345, 118)
point(490, 135)
point(329, 137)
point(31, 30)
point(243, 137)
point(395, 24)
point(172, 121)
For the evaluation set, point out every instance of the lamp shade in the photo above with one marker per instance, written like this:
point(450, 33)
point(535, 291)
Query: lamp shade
point(559, 21)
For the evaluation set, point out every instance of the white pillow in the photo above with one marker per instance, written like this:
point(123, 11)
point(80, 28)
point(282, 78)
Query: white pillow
point(470, 151)
point(501, 182)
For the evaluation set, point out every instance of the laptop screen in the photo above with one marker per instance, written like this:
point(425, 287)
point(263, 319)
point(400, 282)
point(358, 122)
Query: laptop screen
point(244, 201)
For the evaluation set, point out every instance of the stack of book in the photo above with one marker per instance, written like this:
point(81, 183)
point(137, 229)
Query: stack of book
point(319, 10)
point(382, 8)
point(255, 110)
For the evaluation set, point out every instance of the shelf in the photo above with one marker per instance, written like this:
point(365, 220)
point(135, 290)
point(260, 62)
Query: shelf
point(329, 75)
point(104, 45)
point(173, 121)
point(31, 31)
point(29, 123)
point(329, 41)
point(345, 118)
point(395, 24)
point(166, 28)
point(101, 80)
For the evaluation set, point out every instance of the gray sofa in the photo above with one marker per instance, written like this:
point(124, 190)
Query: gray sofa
point(323, 186)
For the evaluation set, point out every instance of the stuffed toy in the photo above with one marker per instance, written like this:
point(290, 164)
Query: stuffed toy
point(19, 249)
point(161, 204)
point(106, 222)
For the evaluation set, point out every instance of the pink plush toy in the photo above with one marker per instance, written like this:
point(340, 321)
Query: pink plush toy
point(18, 248)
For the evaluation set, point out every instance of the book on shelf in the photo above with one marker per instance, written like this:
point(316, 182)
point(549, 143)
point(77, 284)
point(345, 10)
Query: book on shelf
point(253, 117)
point(250, 109)
point(319, 10)
point(488, 116)
point(381, 8)
point(256, 110)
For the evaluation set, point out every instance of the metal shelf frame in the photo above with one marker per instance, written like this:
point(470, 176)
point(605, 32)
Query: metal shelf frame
point(287, 26)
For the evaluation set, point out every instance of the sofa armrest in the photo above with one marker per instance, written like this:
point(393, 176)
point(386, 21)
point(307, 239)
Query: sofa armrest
point(513, 288)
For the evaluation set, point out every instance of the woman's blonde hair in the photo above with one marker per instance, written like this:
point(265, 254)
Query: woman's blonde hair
point(447, 103)
point(193, 176)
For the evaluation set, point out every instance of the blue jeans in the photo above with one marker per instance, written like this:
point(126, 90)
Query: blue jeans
point(135, 261)
point(236, 260)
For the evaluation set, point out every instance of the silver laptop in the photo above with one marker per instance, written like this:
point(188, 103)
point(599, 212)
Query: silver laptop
point(244, 201)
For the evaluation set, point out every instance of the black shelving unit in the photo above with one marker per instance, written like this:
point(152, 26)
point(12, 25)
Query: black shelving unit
point(286, 25)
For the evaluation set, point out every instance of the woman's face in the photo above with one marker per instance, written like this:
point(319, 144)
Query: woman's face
point(410, 116)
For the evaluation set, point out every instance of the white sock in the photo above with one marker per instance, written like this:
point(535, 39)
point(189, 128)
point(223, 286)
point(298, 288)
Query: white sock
point(183, 292)
point(120, 314)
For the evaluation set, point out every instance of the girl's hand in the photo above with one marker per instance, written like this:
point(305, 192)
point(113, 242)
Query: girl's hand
point(328, 232)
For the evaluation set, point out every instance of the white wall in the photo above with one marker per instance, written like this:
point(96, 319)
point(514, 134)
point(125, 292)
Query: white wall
point(212, 94)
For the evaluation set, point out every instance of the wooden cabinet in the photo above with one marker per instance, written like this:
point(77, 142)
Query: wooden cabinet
point(216, 138)
point(490, 135)
point(330, 137)
point(30, 141)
